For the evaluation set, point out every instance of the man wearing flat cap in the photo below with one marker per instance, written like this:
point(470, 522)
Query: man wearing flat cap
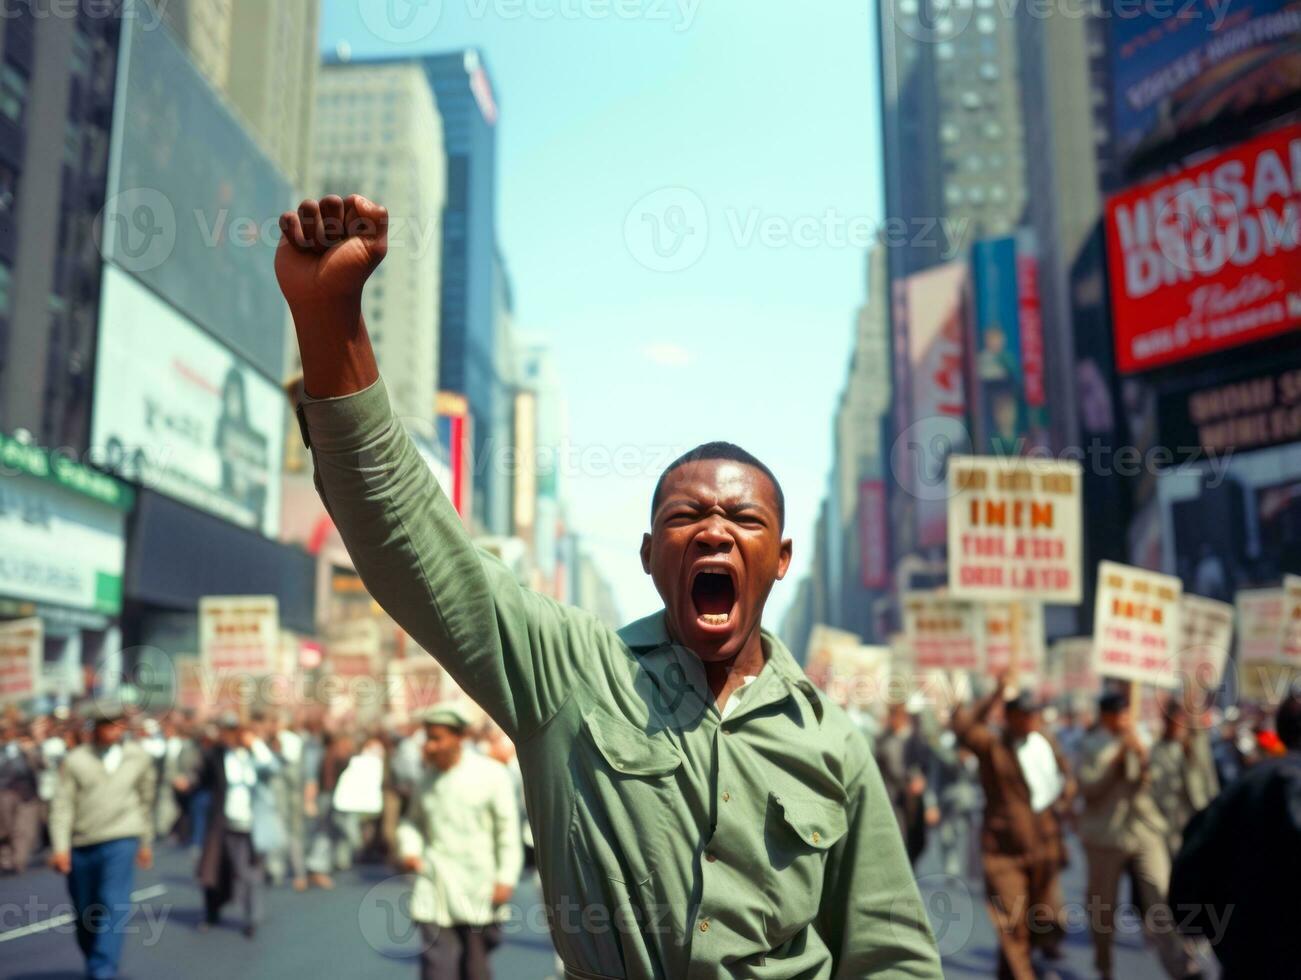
point(101, 827)
point(1027, 785)
point(461, 839)
point(1124, 832)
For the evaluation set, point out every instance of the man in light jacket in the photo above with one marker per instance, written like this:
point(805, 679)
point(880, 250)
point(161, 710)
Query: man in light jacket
point(101, 826)
point(1124, 831)
point(461, 838)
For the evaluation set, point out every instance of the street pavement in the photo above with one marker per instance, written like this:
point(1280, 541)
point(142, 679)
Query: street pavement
point(360, 929)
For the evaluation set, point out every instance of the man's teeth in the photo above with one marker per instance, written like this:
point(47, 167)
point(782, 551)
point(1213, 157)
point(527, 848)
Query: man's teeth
point(715, 619)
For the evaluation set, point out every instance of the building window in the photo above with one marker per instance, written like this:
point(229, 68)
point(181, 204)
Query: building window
point(13, 92)
point(72, 143)
point(976, 195)
point(970, 100)
point(950, 133)
point(953, 195)
point(996, 193)
point(989, 71)
point(82, 56)
point(993, 131)
point(944, 50)
point(985, 24)
point(5, 301)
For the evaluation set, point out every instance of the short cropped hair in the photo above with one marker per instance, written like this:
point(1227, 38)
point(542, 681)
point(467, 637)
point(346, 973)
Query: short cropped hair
point(725, 451)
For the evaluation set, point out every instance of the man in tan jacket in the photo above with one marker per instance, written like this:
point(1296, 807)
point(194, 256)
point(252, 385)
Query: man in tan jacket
point(1026, 783)
point(101, 825)
point(1123, 830)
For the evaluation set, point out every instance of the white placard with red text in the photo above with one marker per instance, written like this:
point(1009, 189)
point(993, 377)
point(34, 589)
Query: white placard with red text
point(239, 634)
point(1015, 529)
point(1290, 647)
point(944, 632)
point(1205, 636)
point(999, 625)
point(22, 648)
point(1136, 625)
point(1260, 625)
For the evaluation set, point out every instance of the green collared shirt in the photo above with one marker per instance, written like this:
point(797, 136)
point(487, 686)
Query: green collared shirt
point(671, 842)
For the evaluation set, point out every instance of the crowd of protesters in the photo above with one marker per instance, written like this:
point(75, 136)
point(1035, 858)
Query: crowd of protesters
point(265, 799)
point(1199, 811)
point(1202, 817)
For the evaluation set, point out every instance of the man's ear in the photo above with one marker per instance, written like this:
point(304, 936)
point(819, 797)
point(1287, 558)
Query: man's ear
point(784, 558)
point(645, 552)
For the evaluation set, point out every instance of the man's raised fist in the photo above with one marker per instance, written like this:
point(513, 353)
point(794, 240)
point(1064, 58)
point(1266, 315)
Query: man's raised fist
point(328, 249)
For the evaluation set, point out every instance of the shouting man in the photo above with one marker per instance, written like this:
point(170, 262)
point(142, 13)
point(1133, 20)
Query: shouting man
point(699, 808)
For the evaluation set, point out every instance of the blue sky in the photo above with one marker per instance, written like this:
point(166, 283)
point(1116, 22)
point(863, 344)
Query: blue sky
point(684, 188)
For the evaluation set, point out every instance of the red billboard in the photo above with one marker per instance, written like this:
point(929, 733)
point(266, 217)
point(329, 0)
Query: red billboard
point(1209, 257)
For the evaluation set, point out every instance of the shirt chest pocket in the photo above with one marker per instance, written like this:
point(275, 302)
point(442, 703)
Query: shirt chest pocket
point(799, 832)
point(624, 782)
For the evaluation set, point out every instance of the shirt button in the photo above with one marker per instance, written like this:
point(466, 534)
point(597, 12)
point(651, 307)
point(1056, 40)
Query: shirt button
point(704, 925)
point(726, 796)
point(816, 837)
point(710, 858)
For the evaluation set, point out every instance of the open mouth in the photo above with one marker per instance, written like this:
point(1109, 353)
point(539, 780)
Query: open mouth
point(713, 593)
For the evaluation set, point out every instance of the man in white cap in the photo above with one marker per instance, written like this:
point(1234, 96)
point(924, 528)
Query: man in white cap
point(101, 825)
point(461, 839)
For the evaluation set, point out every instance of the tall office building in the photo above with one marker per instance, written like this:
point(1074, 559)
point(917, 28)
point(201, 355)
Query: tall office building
point(473, 284)
point(951, 115)
point(273, 66)
point(205, 28)
point(536, 373)
point(262, 56)
point(860, 461)
point(56, 108)
point(378, 132)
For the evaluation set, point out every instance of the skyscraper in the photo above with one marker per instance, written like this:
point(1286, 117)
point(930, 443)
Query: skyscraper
point(378, 132)
point(56, 106)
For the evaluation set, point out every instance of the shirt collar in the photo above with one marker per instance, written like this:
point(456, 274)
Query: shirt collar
point(650, 634)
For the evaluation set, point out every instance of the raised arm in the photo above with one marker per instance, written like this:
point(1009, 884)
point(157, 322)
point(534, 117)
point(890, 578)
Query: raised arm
point(509, 649)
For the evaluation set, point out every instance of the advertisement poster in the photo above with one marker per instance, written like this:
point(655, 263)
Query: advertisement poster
point(859, 676)
point(1255, 411)
point(1205, 638)
point(195, 219)
point(1208, 258)
point(1232, 522)
point(1180, 68)
point(177, 411)
point(1000, 638)
point(1015, 529)
point(934, 306)
point(239, 635)
point(996, 360)
point(944, 633)
point(22, 648)
point(1136, 625)
point(59, 546)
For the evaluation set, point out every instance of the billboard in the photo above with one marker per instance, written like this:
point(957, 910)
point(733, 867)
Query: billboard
point(178, 412)
point(192, 203)
point(1240, 413)
point(931, 310)
point(1178, 69)
point(996, 352)
point(1234, 522)
point(1208, 257)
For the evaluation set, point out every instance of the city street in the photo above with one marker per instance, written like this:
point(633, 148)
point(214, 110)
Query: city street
point(360, 929)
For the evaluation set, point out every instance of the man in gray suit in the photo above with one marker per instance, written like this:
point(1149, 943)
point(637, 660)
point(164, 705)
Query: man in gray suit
point(1124, 831)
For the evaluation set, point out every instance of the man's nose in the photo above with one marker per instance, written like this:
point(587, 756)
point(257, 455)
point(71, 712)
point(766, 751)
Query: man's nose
point(714, 536)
